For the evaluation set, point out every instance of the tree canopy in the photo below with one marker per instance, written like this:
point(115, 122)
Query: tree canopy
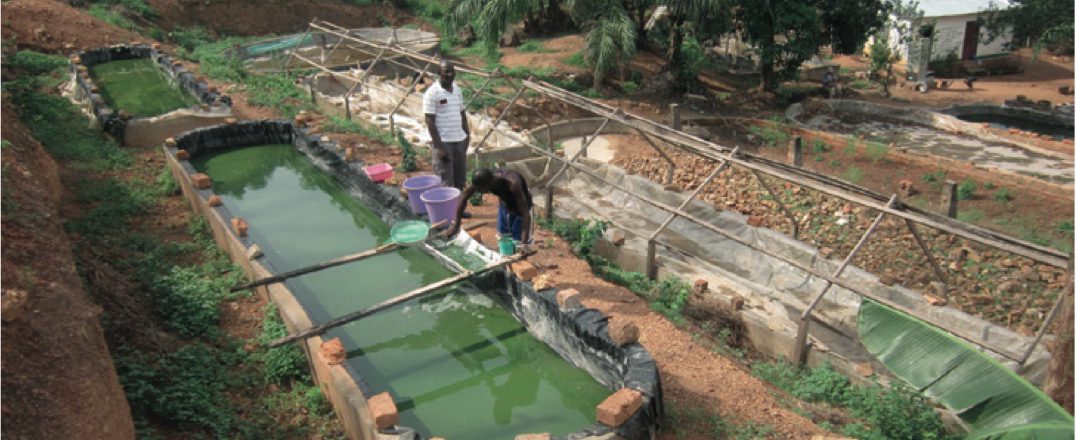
point(1043, 23)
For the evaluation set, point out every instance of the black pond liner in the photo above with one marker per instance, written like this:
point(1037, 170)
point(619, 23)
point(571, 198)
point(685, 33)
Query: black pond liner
point(109, 119)
point(579, 335)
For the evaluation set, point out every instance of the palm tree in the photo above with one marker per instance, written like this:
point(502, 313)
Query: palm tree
point(610, 32)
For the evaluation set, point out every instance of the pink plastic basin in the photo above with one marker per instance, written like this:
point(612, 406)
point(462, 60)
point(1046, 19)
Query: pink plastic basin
point(379, 172)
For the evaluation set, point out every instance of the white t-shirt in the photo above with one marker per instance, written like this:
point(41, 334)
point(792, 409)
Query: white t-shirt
point(447, 107)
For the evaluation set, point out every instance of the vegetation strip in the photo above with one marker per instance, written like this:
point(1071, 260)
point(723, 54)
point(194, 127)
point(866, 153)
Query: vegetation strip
point(200, 379)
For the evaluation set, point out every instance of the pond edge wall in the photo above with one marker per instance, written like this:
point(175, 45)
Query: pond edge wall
point(151, 130)
point(629, 366)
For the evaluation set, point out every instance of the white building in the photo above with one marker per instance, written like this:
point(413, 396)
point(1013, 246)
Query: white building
point(956, 31)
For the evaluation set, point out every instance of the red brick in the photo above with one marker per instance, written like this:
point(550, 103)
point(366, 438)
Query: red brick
point(214, 201)
point(542, 436)
point(864, 369)
point(755, 220)
point(183, 155)
point(333, 352)
point(240, 226)
point(737, 302)
point(619, 407)
point(616, 236)
point(524, 270)
point(201, 181)
point(349, 154)
point(622, 331)
point(933, 300)
point(701, 285)
point(156, 46)
point(384, 411)
point(569, 299)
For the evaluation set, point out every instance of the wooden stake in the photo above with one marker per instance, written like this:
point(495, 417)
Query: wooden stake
point(359, 314)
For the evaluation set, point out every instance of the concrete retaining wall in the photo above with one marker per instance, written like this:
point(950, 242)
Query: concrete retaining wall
point(775, 293)
point(798, 113)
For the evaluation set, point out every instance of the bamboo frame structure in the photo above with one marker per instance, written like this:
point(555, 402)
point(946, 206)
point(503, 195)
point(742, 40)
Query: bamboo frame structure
point(758, 166)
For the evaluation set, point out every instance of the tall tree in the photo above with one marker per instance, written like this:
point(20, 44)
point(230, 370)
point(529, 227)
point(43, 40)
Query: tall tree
point(1042, 23)
point(848, 23)
point(786, 33)
point(703, 17)
point(610, 32)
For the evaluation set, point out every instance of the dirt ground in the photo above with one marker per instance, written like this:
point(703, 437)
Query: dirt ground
point(1039, 79)
point(58, 377)
point(53, 26)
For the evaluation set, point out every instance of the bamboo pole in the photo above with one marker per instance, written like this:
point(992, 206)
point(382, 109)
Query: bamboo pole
point(800, 355)
point(318, 267)
point(359, 314)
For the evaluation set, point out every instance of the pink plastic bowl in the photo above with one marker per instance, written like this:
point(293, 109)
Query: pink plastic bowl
point(379, 172)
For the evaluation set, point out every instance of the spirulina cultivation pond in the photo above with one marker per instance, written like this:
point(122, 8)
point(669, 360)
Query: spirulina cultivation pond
point(456, 362)
point(139, 87)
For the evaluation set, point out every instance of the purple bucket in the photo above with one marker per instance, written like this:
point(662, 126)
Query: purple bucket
point(441, 203)
point(417, 185)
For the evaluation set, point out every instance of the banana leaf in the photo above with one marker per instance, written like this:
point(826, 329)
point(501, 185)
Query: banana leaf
point(994, 401)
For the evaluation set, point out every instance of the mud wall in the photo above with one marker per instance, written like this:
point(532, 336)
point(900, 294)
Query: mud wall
point(58, 377)
point(144, 132)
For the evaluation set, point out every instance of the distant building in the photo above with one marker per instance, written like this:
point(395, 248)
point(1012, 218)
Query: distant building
point(956, 31)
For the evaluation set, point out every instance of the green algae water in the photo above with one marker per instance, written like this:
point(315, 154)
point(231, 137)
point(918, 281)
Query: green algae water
point(457, 363)
point(139, 87)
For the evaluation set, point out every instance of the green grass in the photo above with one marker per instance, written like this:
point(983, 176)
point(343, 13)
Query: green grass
point(112, 16)
point(877, 151)
point(970, 215)
point(1003, 195)
point(853, 174)
point(880, 413)
point(533, 46)
point(575, 59)
point(966, 189)
point(275, 90)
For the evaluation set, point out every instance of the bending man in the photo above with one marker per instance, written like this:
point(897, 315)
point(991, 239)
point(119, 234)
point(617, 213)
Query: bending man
point(514, 214)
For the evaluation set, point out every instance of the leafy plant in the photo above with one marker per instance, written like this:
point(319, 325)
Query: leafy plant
point(533, 47)
point(1003, 195)
point(966, 189)
point(33, 63)
point(112, 17)
point(283, 364)
point(409, 161)
point(167, 184)
point(934, 177)
point(953, 373)
point(818, 146)
point(894, 413)
point(851, 146)
point(853, 174)
point(877, 151)
point(575, 59)
point(190, 37)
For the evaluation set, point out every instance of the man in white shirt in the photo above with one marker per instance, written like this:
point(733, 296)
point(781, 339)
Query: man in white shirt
point(447, 123)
